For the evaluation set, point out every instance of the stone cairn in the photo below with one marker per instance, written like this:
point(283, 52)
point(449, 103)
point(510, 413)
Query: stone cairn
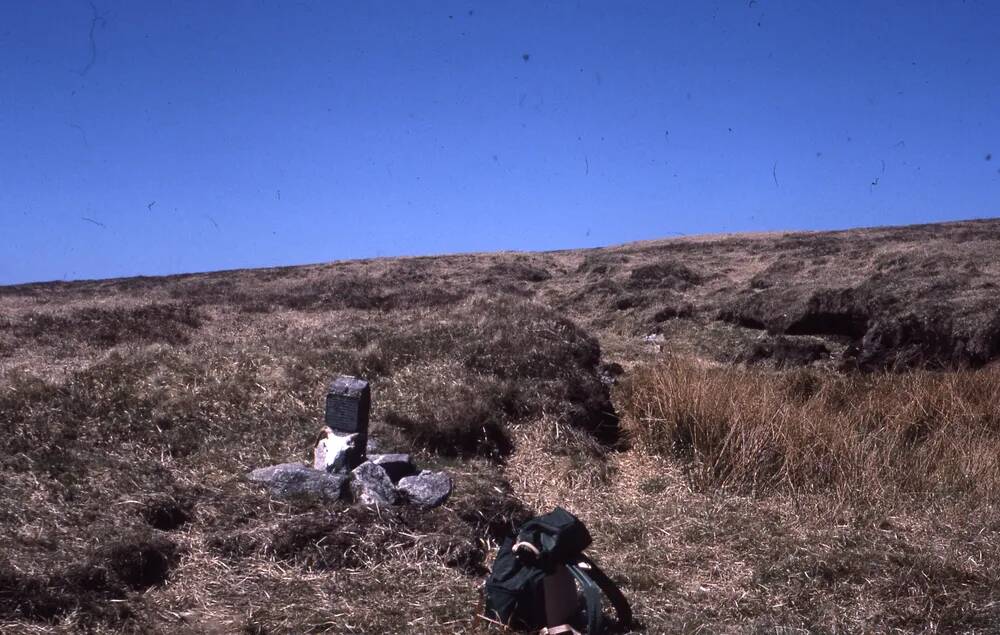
point(342, 468)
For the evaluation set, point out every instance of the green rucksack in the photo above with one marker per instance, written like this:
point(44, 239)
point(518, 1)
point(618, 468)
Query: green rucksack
point(543, 546)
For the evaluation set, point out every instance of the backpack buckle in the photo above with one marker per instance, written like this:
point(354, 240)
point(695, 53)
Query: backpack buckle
point(526, 546)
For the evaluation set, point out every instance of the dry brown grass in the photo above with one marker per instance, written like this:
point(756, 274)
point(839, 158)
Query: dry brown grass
point(874, 436)
point(122, 501)
point(754, 502)
point(696, 560)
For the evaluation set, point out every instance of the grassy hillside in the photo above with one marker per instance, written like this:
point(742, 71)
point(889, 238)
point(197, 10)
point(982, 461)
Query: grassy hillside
point(782, 431)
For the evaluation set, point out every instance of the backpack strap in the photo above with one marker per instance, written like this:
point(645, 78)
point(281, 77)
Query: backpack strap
point(592, 599)
point(594, 581)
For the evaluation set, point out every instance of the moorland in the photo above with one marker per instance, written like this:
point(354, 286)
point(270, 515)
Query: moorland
point(771, 433)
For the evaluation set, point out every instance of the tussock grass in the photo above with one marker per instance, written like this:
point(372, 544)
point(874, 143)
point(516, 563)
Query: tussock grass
point(462, 381)
point(108, 327)
point(874, 436)
point(713, 560)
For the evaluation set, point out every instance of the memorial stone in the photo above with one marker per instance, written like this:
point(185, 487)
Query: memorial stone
point(348, 402)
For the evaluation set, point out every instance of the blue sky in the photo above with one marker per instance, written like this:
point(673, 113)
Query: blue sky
point(162, 137)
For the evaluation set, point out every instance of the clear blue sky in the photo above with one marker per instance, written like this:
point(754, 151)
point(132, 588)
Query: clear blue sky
point(159, 137)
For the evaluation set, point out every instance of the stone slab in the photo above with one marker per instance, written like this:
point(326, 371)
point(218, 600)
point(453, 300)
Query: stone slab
point(295, 480)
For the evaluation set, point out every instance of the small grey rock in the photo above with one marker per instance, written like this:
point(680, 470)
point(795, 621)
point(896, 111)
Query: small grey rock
point(371, 485)
point(427, 489)
point(295, 480)
point(395, 465)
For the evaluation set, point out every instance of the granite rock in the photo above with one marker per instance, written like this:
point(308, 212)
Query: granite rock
point(371, 485)
point(427, 489)
point(295, 480)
